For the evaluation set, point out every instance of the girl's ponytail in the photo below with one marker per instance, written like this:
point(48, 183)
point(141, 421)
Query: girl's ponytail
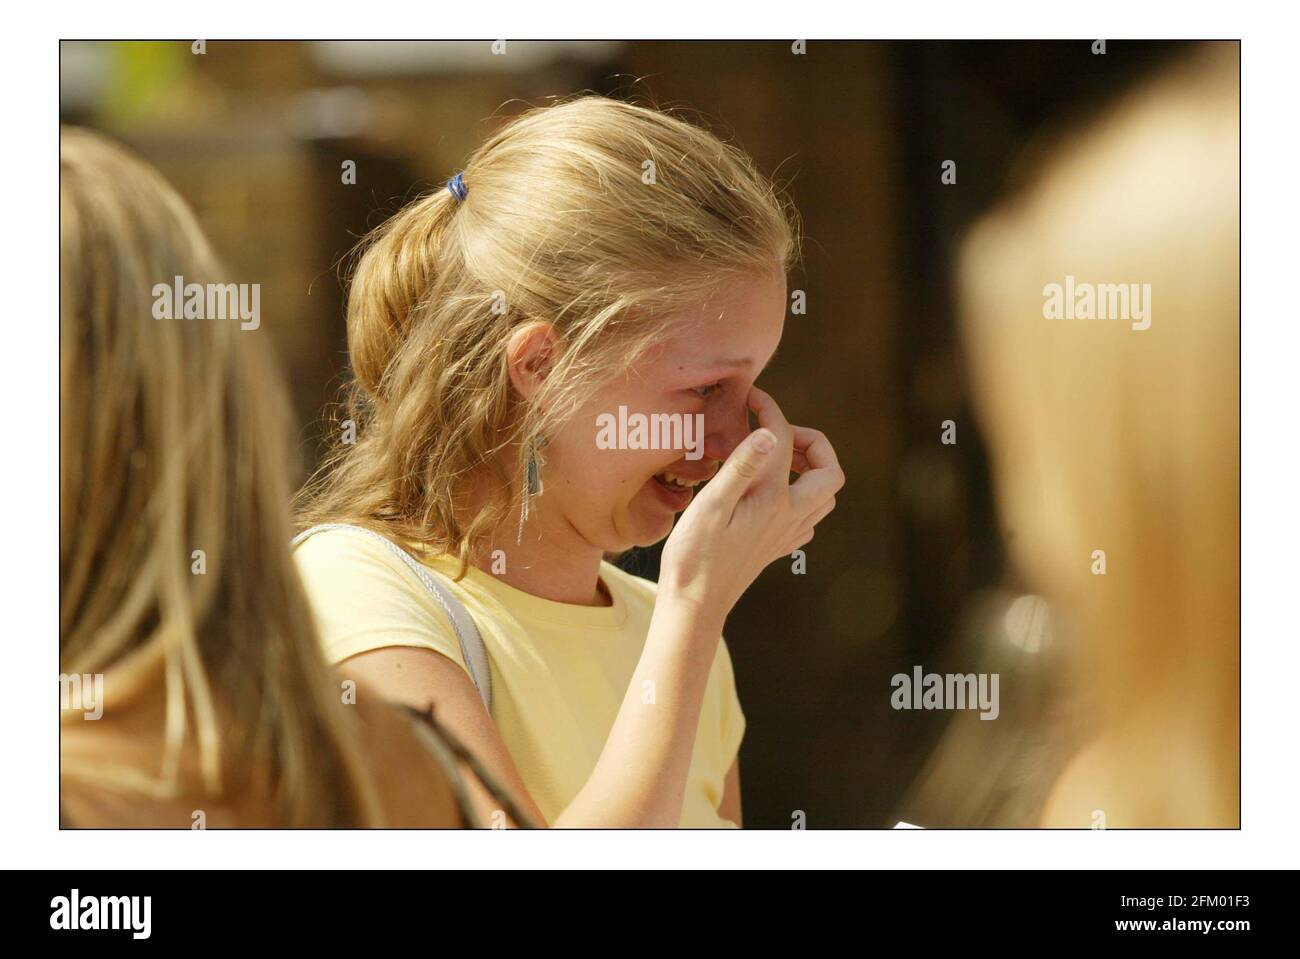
point(392, 278)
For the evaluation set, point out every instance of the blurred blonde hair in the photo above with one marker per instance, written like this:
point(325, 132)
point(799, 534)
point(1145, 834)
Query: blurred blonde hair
point(560, 225)
point(170, 437)
point(1103, 437)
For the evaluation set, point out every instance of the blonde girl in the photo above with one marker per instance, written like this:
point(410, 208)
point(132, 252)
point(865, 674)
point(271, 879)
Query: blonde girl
point(592, 256)
point(1115, 441)
point(216, 707)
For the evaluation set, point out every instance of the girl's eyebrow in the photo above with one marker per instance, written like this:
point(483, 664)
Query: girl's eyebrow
point(740, 363)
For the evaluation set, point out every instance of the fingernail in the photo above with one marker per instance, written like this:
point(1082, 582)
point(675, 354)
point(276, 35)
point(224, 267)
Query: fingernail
point(764, 441)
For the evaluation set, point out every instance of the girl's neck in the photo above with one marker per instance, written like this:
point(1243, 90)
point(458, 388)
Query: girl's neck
point(556, 564)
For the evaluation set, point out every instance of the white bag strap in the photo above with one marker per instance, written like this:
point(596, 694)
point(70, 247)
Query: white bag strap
point(467, 634)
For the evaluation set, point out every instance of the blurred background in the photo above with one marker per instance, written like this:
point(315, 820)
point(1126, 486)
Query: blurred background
point(909, 570)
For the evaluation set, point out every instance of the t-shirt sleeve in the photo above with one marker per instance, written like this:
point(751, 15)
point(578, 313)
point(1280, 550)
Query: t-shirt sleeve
point(363, 598)
point(733, 717)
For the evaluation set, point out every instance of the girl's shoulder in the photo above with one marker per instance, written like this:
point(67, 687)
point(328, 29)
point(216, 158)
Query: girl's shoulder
point(364, 595)
point(351, 557)
point(338, 540)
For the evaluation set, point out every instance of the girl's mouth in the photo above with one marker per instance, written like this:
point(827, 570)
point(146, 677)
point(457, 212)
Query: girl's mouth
point(675, 491)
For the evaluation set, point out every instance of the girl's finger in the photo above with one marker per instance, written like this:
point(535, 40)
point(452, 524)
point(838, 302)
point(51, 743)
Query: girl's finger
point(770, 417)
point(813, 448)
point(814, 488)
point(745, 467)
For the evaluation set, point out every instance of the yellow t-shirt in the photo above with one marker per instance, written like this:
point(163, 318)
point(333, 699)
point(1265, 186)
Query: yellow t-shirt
point(559, 672)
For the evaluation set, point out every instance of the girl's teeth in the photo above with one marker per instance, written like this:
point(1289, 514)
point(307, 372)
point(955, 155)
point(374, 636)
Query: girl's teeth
point(673, 480)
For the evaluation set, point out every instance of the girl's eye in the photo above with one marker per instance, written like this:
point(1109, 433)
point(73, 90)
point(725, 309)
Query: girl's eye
point(705, 390)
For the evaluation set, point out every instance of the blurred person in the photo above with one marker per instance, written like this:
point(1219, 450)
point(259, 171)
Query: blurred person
point(215, 698)
point(1122, 435)
point(594, 260)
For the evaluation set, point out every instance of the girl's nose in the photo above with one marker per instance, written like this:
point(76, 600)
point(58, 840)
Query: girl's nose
point(724, 430)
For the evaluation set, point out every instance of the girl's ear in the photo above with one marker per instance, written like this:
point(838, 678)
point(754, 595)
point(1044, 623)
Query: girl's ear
point(530, 353)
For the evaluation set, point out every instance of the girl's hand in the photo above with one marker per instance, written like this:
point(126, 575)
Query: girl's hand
point(750, 513)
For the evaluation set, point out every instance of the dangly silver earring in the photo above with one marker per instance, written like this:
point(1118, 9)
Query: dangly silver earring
point(532, 485)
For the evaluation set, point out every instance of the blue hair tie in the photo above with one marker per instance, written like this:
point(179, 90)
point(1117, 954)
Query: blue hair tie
point(456, 185)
